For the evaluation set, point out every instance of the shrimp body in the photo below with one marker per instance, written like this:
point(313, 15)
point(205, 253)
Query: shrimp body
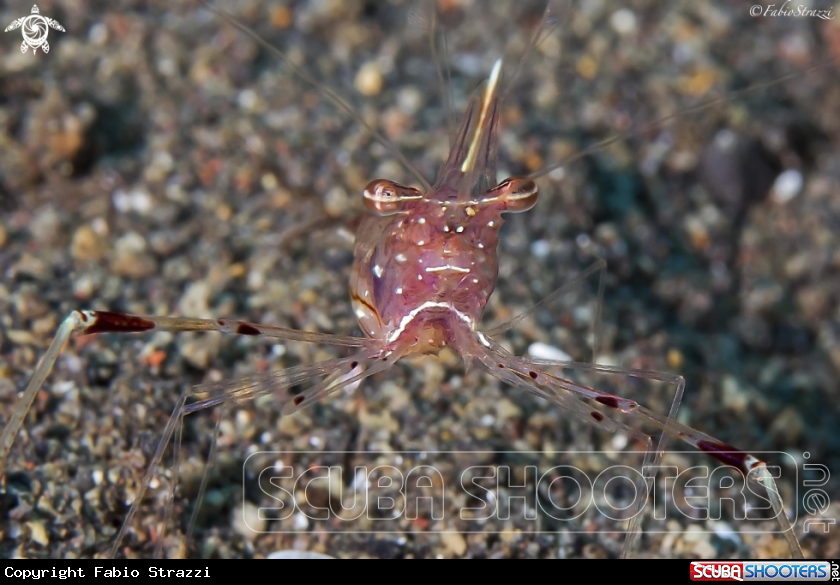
point(428, 273)
point(425, 264)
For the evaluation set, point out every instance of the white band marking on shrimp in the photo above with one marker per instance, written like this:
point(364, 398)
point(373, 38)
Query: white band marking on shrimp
point(427, 305)
point(447, 267)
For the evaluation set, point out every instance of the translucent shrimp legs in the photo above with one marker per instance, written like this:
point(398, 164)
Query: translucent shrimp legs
point(425, 266)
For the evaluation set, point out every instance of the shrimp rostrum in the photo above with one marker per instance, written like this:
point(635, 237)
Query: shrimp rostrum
point(425, 266)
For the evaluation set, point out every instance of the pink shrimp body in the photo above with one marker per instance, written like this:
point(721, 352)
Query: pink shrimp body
point(425, 265)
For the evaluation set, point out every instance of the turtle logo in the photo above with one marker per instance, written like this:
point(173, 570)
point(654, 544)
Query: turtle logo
point(35, 30)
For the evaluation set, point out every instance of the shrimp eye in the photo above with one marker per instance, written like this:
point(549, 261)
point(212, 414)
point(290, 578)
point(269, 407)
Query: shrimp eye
point(386, 197)
point(517, 194)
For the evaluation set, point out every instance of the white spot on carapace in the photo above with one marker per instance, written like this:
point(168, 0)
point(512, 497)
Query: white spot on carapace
point(421, 221)
point(400, 258)
point(419, 277)
point(491, 223)
point(377, 270)
point(399, 290)
point(446, 229)
point(459, 229)
point(421, 243)
point(480, 246)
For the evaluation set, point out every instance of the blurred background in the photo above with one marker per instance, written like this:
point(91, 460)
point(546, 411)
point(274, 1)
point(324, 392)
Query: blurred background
point(157, 160)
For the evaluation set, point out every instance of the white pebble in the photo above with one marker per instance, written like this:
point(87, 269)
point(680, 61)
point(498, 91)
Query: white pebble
point(583, 240)
point(167, 67)
point(410, 100)
point(619, 441)
point(787, 186)
point(297, 554)
point(121, 200)
point(726, 140)
point(247, 99)
point(130, 243)
point(162, 160)
point(98, 34)
point(725, 532)
point(541, 248)
point(100, 226)
point(544, 351)
point(301, 522)
point(98, 476)
point(64, 387)
point(138, 200)
point(623, 21)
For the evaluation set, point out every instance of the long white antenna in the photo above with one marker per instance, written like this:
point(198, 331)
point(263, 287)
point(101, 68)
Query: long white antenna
point(479, 128)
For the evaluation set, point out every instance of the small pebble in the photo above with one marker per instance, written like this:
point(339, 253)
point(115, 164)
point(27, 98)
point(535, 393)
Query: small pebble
point(98, 34)
point(788, 425)
point(137, 200)
point(86, 245)
point(39, 533)
point(623, 21)
point(247, 521)
point(734, 396)
point(544, 351)
point(301, 522)
point(247, 99)
point(369, 80)
point(454, 543)
point(195, 300)
point(787, 186)
point(675, 359)
point(410, 100)
point(45, 226)
point(4, 235)
point(725, 532)
point(298, 554)
point(505, 409)
point(619, 441)
point(541, 248)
